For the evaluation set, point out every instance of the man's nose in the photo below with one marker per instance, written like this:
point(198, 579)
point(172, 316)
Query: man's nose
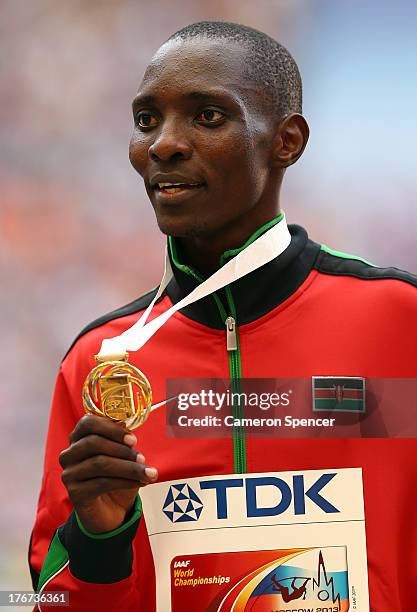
point(170, 142)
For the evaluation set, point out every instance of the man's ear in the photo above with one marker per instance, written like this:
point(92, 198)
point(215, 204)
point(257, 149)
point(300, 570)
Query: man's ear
point(290, 140)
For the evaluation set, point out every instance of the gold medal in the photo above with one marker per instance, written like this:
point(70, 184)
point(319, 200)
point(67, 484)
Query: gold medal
point(119, 391)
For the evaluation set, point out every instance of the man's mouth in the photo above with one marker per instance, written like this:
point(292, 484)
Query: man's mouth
point(171, 188)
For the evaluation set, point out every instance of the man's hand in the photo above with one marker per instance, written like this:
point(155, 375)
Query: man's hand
point(102, 472)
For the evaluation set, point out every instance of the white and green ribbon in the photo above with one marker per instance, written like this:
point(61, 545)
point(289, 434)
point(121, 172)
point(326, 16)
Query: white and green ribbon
point(260, 252)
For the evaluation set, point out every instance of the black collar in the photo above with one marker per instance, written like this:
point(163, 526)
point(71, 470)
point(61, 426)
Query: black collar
point(253, 295)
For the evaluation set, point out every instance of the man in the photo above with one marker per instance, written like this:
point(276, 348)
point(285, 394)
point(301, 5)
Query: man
point(217, 122)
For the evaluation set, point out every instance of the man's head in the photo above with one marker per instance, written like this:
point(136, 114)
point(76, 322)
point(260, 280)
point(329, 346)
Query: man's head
point(266, 63)
point(218, 111)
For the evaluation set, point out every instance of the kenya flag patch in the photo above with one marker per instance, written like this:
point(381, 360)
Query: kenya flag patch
point(338, 393)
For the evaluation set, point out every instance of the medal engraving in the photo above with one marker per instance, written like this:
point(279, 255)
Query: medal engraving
point(117, 396)
point(118, 391)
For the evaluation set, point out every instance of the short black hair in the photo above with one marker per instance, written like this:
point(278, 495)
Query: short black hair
point(268, 63)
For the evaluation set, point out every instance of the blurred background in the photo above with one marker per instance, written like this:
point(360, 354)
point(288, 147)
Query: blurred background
point(77, 233)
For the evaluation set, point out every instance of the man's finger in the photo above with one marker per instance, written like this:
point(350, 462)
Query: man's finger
point(103, 466)
point(92, 445)
point(101, 426)
point(83, 491)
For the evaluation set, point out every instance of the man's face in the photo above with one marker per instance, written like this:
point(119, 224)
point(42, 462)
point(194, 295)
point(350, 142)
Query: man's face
point(199, 123)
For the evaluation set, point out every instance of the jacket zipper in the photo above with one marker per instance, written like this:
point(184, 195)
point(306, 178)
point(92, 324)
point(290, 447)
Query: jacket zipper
point(235, 367)
point(235, 372)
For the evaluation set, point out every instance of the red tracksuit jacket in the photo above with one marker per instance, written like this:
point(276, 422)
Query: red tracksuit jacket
point(311, 311)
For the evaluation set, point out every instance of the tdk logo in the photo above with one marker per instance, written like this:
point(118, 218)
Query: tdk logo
point(183, 504)
point(296, 495)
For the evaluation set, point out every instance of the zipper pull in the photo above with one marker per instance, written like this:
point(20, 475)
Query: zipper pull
point(231, 339)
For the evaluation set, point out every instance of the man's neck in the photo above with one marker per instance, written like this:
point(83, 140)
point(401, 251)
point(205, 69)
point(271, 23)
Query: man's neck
point(203, 253)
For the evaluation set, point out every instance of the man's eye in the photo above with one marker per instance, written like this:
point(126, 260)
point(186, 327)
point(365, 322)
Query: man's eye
point(210, 115)
point(145, 120)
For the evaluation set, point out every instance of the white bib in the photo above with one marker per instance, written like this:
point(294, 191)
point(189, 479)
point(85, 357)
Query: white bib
point(260, 542)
